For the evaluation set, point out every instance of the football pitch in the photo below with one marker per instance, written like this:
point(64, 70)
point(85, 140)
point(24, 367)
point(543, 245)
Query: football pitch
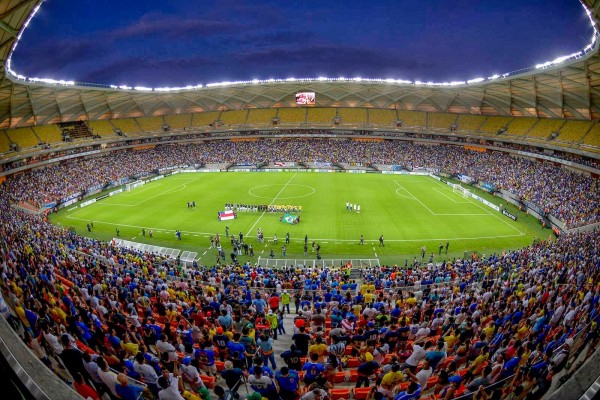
point(409, 211)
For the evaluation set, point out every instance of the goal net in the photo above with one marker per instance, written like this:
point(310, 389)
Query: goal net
point(312, 263)
point(456, 188)
point(133, 185)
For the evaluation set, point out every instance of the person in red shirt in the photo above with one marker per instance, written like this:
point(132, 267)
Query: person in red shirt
point(85, 390)
point(274, 302)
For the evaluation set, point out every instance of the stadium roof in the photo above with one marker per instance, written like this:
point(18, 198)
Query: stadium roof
point(562, 90)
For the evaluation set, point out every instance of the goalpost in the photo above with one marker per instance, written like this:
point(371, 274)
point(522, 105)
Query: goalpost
point(133, 185)
point(456, 188)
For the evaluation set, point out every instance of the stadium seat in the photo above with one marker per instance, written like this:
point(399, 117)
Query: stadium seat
point(431, 382)
point(545, 127)
point(441, 120)
point(48, 133)
point(413, 118)
point(493, 124)
point(470, 123)
point(179, 121)
point(519, 126)
point(380, 117)
point(151, 124)
point(236, 117)
point(203, 120)
point(339, 377)
point(291, 115)
point(337, 394)
point(220, 366)
point(24, 137)
point(209, 381)
point(353, 116)
point(126, 125)
point(353, 375)
point(261, 116)
point(353, 362)
point(360, 393)
point(321, 115)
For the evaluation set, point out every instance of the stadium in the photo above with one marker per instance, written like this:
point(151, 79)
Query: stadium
point(433, 240)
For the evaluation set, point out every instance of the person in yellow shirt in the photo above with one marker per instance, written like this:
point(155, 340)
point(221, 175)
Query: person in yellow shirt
point(21, 314)
point(477, 364)
point(450, 340)
point(368, 297)
point(488, 331)
point(390, 381)
point(319, 348)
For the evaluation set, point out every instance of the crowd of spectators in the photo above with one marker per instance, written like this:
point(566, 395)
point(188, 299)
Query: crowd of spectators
point(100, 315)
point(571, 197)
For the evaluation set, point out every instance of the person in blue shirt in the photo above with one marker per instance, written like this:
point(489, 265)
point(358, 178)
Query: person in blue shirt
point(413, 392)
point(236, 351)
point(312, 369)
point(206, 358)
point(288, 383)
point(127, 391)
point(259, 304)
point(259, 364)
point(225, 320)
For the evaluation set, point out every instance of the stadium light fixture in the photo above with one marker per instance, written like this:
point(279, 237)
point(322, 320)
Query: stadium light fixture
point(476, 80)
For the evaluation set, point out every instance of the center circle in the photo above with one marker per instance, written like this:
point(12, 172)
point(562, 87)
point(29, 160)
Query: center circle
point(308, 190)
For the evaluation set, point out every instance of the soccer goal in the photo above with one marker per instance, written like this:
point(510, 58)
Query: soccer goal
point(456, 188)
point(133, 185)
point(309, 264)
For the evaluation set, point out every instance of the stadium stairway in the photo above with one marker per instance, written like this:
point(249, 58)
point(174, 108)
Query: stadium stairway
point(355, 273)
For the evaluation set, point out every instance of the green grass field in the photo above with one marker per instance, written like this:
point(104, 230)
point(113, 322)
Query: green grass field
point(410, 211)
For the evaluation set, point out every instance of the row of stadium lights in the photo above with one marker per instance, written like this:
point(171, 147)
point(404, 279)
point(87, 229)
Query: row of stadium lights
point(545, 65)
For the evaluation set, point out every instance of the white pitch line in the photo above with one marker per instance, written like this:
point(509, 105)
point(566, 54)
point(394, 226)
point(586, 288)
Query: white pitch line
point(271, 203)
point(134, 238)
point(205, 252)
point(320, 239)
point(450, 198)
point(376, 255)
point(413, 196)
point(475, 202)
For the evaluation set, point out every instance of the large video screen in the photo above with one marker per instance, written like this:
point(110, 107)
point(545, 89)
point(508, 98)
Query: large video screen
point(305, 98)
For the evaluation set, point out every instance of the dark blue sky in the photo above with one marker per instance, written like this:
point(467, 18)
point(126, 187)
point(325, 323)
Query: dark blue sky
point(176, 43)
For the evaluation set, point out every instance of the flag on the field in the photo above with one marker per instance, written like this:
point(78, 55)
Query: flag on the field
point(225, 215)
point(290, 219)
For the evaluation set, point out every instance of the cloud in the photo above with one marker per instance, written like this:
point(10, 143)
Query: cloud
point(273, 38)
point(173, 27)
point(333, 60)
point(53, 56)
point(138, 71)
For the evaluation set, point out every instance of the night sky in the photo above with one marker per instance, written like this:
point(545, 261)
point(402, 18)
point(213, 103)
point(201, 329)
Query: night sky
point(176, 43)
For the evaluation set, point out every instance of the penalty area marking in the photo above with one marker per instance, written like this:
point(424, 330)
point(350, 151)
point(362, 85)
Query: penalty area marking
point(476, 203)
point(450, 198)
point(401, 195)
